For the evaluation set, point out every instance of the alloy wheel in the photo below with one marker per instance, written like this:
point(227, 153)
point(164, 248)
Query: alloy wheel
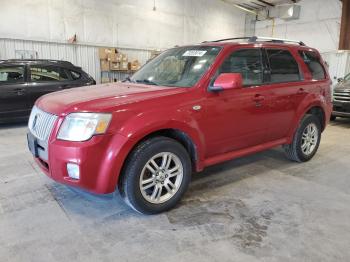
point(161, 177)
point(309, 139)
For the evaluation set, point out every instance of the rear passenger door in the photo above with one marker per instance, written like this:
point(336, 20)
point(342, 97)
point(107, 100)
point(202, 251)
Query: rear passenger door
point(285, 80)
point(44, 79)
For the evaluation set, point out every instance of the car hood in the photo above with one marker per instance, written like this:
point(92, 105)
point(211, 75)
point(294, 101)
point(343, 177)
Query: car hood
point(101, 98)
point(343, 85)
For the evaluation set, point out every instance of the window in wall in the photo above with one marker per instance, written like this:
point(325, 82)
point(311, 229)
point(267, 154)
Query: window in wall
point(247, 62)
point(47, 73)
point(283, 66)
point(11, 74)
point(312, 61)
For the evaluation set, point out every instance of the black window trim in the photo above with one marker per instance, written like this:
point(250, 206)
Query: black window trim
point(45, 65)
point(240, 49)
point(301, 75)
point(24, 75)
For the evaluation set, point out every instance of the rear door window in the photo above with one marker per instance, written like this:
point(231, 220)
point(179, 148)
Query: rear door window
point(247, 62)
point(312, 61)
point(283, 66)
point(11, 74)
point(47, 74)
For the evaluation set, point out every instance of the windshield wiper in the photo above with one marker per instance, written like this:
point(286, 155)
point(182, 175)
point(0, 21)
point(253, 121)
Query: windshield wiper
point(128, 79)
point(146, 81)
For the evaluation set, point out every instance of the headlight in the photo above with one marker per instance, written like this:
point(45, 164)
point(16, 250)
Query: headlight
point(82, 126)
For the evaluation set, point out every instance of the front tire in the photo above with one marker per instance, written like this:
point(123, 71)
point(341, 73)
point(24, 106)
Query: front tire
point(156, 175)
point(306, 140)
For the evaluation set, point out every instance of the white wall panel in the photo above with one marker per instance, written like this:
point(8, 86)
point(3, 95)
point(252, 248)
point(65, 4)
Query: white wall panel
point(120, 22)
point(339, 64)
point(85, 56)
point(45, 26)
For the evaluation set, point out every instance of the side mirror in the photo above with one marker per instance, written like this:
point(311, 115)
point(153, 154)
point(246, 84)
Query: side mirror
point(227, 81)
point(340, 80)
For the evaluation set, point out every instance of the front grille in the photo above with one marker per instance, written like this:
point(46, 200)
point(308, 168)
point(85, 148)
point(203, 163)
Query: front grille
point(41, 123)
point(342, 95)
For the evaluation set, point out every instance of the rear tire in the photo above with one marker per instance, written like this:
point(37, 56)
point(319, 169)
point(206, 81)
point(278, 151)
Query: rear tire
point(306, 140)
point(156, 175)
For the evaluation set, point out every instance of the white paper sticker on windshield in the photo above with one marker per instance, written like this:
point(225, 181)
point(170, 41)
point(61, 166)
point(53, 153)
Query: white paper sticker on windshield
point(194, 53)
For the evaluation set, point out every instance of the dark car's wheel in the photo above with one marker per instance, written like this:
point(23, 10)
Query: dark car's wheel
point(156, 175)
point(306, 140)
point(333, 118)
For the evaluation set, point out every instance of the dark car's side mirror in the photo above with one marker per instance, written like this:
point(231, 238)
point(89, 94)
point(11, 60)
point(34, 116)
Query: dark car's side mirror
point(340, 80)
point(227, 81)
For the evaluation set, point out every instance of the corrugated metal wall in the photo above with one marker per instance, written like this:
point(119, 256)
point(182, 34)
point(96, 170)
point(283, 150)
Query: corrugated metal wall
point(84, 56)
point(339, 64)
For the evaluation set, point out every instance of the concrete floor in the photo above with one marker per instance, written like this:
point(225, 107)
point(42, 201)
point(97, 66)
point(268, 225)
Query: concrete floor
point(258, 208)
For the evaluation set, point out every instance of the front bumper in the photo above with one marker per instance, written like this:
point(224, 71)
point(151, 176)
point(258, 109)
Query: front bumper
point(99, 159)
point(341, 109)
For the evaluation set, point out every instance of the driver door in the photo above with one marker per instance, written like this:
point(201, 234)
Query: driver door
point(238, 118)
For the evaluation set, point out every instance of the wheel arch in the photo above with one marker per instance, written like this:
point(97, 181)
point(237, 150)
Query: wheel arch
point(316, 108)
point(179, 135)
point(319, 113)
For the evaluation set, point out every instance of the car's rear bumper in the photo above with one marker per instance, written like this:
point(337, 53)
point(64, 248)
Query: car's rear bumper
point(98, 161)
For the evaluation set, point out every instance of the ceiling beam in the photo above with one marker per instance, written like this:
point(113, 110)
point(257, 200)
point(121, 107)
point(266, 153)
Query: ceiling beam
point(260, 5)
point(265, 2)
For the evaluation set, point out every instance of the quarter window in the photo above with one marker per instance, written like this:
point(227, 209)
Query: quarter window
point(75, 75)
point(283, 66)
point(11, 74)
point(312, 61)
point(248, 63)
point(47, 74)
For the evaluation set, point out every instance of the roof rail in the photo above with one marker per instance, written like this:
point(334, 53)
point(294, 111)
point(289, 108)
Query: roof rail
point(227, 39)
point(54, 61)
point(253, 39)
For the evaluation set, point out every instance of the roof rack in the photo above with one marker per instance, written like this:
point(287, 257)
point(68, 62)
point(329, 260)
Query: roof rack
point(38, 60)
point(253, 39)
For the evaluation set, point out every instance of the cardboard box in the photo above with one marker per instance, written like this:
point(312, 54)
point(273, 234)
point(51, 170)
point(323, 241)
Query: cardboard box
point(105, 65)
point(104, 51)
point(112, 57)
point(119, 57)
point(135, 65)
point(124, 58)
point(124, 66)
point(115, 66)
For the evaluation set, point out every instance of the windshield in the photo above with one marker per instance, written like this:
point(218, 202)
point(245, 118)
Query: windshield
point(181, 66)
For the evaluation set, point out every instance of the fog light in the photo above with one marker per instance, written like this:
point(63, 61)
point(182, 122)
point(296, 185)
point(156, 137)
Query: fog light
point(73, 170)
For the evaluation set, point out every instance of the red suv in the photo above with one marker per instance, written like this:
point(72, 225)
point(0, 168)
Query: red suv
point(188, 108)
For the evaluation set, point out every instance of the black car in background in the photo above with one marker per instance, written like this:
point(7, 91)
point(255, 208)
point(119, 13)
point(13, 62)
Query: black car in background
point(341, 98)
point(24, 81)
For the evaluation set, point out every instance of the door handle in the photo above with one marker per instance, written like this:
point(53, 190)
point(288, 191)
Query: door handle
point(258, 98)
point(301, 91)
point(19, 91)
